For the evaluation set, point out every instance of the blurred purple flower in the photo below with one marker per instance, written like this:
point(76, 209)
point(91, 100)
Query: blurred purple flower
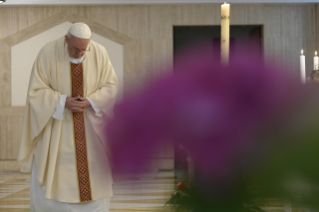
point(216, 112)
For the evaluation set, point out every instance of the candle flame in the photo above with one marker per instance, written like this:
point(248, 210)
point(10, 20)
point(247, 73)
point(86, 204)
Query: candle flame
point(302, 51)
point(316, 53)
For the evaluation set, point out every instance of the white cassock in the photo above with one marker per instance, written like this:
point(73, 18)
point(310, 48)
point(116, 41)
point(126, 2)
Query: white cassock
point(39, 203)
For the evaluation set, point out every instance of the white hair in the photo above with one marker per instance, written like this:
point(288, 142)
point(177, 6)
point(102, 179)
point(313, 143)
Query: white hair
point(69, 35)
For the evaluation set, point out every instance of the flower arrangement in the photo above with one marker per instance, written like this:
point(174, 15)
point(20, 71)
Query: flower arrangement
point(180, 197)
point(244, 124)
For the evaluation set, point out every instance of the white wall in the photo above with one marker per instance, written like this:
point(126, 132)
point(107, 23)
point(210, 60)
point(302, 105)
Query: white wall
point(24, 54)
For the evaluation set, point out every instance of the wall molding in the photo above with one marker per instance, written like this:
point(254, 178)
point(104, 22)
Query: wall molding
point(59, 19)
point(11, 111)
point(9, 166)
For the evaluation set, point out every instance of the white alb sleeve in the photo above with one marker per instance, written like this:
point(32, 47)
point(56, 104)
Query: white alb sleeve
point(60, 108)
point(95, 108)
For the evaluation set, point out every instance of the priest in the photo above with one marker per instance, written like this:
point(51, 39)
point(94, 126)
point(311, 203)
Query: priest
point(71, 94)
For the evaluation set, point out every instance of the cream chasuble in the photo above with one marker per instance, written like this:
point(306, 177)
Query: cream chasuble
point(71, 154)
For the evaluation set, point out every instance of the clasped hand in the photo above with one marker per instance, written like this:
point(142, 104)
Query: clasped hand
point(77, 104)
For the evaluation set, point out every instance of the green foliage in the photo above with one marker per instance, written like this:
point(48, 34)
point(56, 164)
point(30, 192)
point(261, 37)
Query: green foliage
point(189, 199)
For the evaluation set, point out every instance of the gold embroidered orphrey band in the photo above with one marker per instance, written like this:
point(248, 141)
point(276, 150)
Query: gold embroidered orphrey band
point(80, 137)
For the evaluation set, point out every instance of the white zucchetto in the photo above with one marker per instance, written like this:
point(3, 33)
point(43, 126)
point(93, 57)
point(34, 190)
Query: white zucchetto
point(80, 30)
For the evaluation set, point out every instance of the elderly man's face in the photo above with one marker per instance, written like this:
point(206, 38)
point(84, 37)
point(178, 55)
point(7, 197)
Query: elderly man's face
point(76, 46)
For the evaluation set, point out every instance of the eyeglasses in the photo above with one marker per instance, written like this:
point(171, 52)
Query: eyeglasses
point(75, 50)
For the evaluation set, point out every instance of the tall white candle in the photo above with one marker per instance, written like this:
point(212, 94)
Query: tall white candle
point(225, 13)
point(315, 62)
point(303, 67)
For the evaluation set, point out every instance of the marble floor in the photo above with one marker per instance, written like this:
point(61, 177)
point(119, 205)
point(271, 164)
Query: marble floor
point(146, 194)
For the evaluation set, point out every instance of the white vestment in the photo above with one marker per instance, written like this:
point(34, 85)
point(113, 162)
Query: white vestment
point(51, 141)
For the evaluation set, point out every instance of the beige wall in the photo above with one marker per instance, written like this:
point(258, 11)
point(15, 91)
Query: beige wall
point(146, 33)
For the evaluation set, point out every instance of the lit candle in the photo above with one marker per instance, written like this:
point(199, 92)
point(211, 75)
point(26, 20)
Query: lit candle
point(225, 13)
point(315, 62)
point(303, 67)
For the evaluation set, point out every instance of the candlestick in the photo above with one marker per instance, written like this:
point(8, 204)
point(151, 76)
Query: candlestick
point(225, 13)
point(303, 67)
point(315, 61)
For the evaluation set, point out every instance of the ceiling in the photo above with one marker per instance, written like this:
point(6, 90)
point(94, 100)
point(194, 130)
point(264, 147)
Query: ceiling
point(90, 2)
